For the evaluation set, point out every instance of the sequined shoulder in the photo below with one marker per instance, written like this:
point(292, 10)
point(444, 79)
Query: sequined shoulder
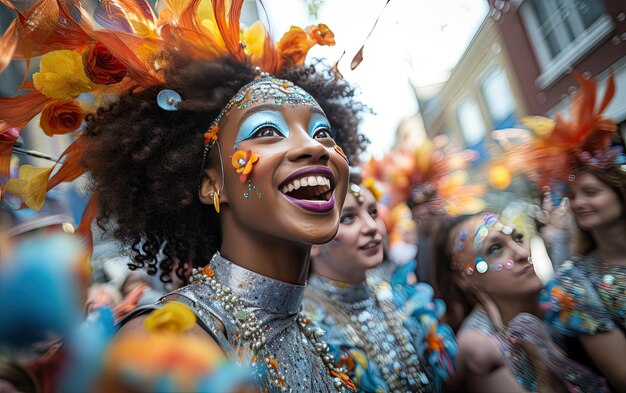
point(212, 318)
point(479, 322)
point(571, 302)
point(211, 314)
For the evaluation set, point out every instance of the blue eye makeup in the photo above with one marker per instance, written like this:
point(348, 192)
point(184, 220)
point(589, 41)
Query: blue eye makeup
point(258, 120)
point(318, 121)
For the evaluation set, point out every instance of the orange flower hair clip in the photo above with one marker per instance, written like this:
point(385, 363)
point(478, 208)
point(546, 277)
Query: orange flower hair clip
point(211, 135)
point(243, 161)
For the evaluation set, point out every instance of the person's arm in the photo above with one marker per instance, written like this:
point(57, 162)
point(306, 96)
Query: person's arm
point(480, 367)
point(557, 233)
point(608, 353)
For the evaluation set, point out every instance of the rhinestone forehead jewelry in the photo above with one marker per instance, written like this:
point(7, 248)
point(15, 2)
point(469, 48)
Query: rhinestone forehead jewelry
point(252, 332)
point(355, 190)
point(265, 88)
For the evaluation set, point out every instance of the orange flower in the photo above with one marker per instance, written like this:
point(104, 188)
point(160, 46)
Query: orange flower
point(293, 47)
point(243, 162)
point(208, 271)
point(273, 363)
point(321, 34)
point(295, 44)
point(344, 378)
point(101, 66)
point(346, 360)
point(566, 300)
point(434, 341)
point(61, 117)
point(211, 134)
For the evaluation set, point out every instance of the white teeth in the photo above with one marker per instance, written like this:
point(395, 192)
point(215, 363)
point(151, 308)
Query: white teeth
point(309, 181)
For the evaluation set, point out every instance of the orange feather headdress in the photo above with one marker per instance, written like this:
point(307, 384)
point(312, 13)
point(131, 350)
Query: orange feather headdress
point(560, 146)
point(83, 66)
point(431, 176)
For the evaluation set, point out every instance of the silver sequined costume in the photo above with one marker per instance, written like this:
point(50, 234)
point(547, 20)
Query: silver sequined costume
point(354, 314)
point(276, 305)
point(527, 328)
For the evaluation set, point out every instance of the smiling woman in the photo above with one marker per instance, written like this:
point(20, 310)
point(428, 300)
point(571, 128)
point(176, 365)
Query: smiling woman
point(210, 169)
point(241, 211)
point(587, 298)
point(358, 310)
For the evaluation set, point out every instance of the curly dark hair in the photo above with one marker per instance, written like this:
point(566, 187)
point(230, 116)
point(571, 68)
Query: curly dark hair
point(145, 162)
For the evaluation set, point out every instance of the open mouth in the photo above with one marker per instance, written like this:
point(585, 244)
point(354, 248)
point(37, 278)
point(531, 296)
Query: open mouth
point(310, 188)
point(370, 245)
point(314, 188)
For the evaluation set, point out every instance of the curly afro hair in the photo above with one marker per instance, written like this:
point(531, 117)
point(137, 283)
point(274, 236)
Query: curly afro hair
point(145, 162)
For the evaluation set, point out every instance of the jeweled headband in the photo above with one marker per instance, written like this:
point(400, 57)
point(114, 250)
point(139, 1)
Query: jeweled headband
point(265, 88)
point(355, 190)
point(490, 222)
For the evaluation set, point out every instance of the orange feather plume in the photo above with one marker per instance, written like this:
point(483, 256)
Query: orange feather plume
point(554, 152)
point(130, 37)
point(439, 168)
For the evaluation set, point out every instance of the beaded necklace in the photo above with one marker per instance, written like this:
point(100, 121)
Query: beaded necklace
point(251, 331)
point(364, 328)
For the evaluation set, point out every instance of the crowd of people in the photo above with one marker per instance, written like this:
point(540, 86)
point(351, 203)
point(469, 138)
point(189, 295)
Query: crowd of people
point(235, 239)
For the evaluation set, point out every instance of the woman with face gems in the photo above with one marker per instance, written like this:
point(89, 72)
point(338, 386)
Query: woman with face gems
point(358, 310)
point(199, 158)
point(586, 300)
point(484, 263)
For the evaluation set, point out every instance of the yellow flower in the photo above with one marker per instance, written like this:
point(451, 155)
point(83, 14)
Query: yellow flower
point(31, 185)
point(254, 38)
point(541, 126)
point(61, 75)
point(173, 317)
point(184, 359)
point(371, 185)
point(499, 176)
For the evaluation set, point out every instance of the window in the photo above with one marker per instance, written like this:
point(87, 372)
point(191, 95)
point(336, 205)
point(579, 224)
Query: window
point(496, 90)
point(471, 122)
point(562, 32)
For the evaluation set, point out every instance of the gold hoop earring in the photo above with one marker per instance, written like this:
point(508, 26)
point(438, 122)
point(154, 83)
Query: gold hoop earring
point(216, 201)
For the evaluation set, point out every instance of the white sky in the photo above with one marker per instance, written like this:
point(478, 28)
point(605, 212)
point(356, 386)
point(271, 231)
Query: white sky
point(422, 39)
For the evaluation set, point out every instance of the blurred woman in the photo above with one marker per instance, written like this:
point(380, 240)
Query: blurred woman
point(484, 268)
point(587, 298)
